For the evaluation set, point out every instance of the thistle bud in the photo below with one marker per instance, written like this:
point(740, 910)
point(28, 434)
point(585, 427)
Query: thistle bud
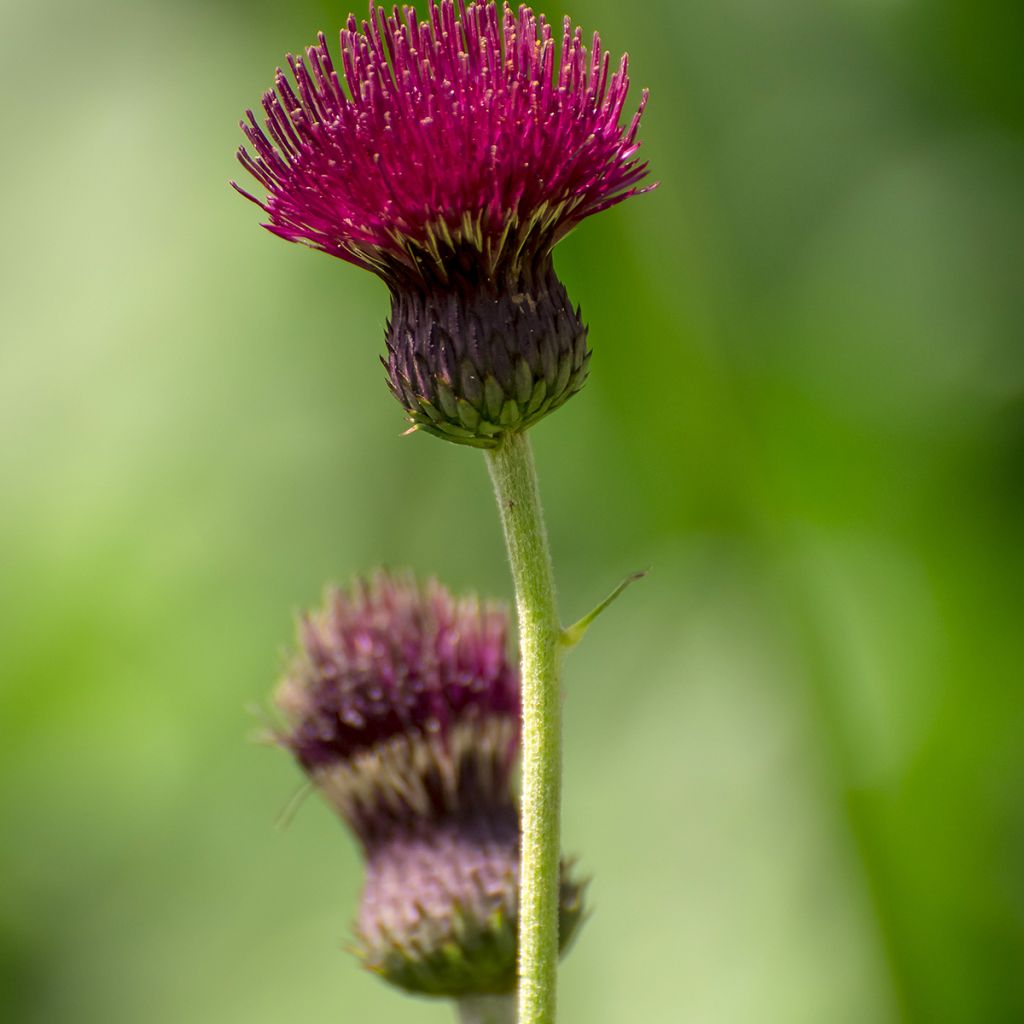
point(471, 362)
point(403, 710)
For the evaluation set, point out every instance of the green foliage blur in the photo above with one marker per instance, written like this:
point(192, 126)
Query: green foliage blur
point(795, 753)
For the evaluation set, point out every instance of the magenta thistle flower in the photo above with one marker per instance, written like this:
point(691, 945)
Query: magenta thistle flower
point(449, 157)
point(403, 710)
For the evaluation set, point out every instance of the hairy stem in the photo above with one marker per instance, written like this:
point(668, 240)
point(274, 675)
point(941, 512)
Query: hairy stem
point(515, 486)
point(487, 1010)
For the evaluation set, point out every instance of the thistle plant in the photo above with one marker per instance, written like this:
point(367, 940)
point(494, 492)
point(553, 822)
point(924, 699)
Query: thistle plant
point(450, 156)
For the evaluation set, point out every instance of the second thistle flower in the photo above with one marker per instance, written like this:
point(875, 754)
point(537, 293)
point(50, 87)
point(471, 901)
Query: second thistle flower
point(449, 157)
point(403, 710)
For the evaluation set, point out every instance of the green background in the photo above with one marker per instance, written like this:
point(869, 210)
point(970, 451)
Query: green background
point(794, 762)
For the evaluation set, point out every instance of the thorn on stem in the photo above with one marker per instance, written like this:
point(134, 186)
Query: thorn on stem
point(572, 635)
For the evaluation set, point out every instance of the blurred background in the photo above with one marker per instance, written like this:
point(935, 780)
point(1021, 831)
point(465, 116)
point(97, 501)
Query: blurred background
point(794, 757)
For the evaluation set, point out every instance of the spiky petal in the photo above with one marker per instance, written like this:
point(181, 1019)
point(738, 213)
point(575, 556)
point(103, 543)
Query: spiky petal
point(472, 130)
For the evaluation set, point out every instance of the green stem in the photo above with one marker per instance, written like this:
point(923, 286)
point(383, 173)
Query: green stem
point(487, 1010)
point(515, 486)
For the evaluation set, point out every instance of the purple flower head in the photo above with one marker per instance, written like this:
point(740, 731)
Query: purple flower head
point(449, 156)
point(403, 709)
point(467, 131)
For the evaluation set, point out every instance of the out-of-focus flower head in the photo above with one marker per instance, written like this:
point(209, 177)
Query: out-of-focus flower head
point(403, 709)
point(449, 156)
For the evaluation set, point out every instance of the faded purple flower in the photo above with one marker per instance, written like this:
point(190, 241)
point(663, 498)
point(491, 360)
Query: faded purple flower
point(449, 157)
point(403, 710)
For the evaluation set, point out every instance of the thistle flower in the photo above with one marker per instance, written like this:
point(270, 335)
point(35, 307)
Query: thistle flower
point(403, 710)
point(449, 157)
